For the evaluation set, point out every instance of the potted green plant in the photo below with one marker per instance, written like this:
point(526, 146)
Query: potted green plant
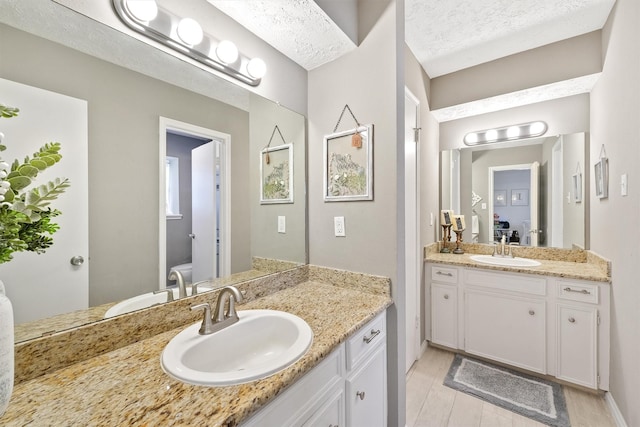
point(25, 225)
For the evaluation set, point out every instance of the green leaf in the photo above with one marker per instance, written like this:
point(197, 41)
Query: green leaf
point(28, 170)
point(40, 164)
point(49, 160)
point(39, 198)
point(19, 182)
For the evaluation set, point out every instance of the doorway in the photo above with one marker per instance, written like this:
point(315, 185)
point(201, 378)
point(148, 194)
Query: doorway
point(194, 219)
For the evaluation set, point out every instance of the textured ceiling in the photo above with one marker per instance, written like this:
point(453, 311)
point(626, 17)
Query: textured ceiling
point(300, 29)
point(447, 36)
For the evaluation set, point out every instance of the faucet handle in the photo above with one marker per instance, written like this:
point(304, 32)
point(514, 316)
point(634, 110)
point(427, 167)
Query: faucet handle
point(207, 324)
point(168, 291)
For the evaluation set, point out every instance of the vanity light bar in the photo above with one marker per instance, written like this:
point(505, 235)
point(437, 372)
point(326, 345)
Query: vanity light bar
point(507, 133)
point(186, 36)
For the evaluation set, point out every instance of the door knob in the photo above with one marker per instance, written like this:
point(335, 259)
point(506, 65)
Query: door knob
point(77, 260)
point(193, 236)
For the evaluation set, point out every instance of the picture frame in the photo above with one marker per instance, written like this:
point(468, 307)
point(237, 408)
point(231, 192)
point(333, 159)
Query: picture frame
point(500, 198)
point(276, 174)
point(348, 169)
point(577, 187)
point(601, 175)
point(520, 197)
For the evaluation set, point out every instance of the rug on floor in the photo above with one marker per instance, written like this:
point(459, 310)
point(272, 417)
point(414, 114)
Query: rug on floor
point(523, 394)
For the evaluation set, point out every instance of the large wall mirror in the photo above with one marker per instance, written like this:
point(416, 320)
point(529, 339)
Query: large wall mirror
point(532, 192)
point(128, 151)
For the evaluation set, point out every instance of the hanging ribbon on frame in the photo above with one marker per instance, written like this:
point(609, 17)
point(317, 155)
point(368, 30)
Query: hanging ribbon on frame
point(276, 128)
point(356, 139)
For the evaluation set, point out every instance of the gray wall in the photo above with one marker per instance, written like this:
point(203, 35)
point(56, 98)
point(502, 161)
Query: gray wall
point(265, 240)
point(369, 81)
point(574, 219)
point(124, 107)
point(615, 109)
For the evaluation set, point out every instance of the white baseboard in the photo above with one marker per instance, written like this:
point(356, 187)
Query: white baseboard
point(423, 348)
point(615, 411)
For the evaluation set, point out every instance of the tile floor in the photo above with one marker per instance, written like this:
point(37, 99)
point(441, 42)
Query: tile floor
point(430, 403)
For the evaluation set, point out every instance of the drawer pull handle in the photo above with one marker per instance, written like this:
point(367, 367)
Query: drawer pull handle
point(440, 273)
point(582, 291)
point(374, 333)
point(531, 312)
point(572, 320)
point(446, 296)
point(360, 394)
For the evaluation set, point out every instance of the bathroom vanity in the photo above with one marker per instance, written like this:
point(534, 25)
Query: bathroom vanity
point(127, 386)
point(552, 320)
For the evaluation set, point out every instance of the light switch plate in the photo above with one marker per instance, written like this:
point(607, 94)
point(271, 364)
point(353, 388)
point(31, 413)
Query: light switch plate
point(338, 225)
point(624, 191)
point(282, 224)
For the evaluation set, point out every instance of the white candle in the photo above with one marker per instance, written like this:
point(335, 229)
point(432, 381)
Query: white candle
point(446, 217)
point(458, 223)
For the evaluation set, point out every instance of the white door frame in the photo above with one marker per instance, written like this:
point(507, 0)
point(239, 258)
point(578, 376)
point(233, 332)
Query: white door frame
point(557, 196)
point(533, 202)
point(225, 193)
point(413, 261)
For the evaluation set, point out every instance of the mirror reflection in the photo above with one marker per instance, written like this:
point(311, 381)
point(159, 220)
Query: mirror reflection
point(528, 191)
point(132, 244)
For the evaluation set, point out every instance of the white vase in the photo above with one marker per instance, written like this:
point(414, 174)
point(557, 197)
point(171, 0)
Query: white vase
point(6, 350)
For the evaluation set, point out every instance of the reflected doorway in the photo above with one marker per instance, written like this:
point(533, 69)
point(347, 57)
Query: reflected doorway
point(194, 202)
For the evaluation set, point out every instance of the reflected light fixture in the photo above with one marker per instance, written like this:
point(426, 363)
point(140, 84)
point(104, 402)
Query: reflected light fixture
point(508, 133)
point(186, 36)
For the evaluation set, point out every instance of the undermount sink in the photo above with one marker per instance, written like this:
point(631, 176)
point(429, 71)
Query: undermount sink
point(145, 300)
point(505, 261)
point(260, 344)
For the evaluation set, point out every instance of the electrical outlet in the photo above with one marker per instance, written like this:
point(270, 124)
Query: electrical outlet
point(338, 226)
point(484, 206)
point(282, 224)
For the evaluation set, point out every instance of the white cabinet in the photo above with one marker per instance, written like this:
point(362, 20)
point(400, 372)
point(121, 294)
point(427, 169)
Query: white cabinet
point(549, 325)
point(506, 328)
point(348, 388)
point(366, 392)
point(444, 314)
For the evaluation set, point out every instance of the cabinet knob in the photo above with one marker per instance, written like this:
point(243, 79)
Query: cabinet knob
point(446, 296)
point(77, 260)
point(572, 320)
point(531, 312)
point(360, 394)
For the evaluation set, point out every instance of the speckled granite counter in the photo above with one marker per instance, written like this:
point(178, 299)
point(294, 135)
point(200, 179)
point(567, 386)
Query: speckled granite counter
point(571, 263)
point(128, 387)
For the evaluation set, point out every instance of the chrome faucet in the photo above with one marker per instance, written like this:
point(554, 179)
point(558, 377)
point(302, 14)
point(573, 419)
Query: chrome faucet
point(222, 319)
point(168, 291)
point(177, 276)
point(504, 249)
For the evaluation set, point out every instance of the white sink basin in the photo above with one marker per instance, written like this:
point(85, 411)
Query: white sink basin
point(145, 300)
point(260, 344)
point(506, 262)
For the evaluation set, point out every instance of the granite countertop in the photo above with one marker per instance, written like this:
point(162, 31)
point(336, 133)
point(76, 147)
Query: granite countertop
point(128, 387)
point(582, 266)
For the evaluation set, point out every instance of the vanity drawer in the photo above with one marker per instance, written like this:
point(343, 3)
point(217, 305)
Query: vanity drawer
point(444, 274)
point(366, 340)
point(506, 282)
point(578, 291)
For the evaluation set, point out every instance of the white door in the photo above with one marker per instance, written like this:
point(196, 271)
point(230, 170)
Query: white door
point(44, 285)
point(412, 237)
point(534, 197)
point(204, 212)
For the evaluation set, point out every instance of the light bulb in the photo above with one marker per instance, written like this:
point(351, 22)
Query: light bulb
point(142, 10)
point(513, 132)
point(227, 52)
point(491, 135)
point(471, 138)
point(189, 31)
point(256, 68)
point(537, 128)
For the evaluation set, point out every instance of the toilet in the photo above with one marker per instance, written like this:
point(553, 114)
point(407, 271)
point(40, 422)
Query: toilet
point(185, 270)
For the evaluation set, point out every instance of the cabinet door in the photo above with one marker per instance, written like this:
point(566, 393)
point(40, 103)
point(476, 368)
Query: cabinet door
point(506, 328)
point(331, 414)
point(366, 393)
point(578, 345)
point(444, 315)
